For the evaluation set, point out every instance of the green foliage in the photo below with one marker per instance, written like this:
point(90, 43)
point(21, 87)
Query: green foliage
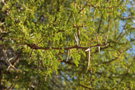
point(36, 36)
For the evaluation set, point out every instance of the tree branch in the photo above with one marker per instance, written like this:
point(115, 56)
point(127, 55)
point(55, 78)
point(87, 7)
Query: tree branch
point(34, 46)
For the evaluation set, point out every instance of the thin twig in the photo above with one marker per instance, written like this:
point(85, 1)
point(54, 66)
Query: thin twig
point(97, 41)
point(83, 7)
point(108, 29)
point(100, 23)
point(10, 65)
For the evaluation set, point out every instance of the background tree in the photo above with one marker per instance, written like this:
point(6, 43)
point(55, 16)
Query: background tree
point(67, 44)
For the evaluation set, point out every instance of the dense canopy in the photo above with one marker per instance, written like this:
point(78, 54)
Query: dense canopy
point(67, 44)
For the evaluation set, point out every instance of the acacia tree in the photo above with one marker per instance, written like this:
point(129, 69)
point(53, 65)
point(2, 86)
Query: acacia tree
point(67, 44)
